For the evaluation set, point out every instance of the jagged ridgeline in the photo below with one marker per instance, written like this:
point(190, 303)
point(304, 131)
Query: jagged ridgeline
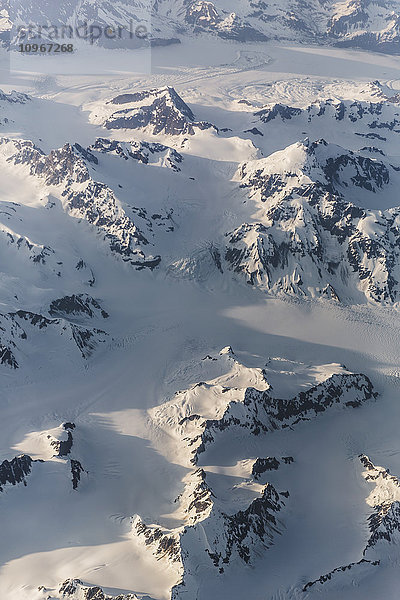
point(58, 446)
point(221, 411)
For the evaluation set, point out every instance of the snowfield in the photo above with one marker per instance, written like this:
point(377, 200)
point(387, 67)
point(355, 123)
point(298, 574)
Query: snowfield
point(199, 322)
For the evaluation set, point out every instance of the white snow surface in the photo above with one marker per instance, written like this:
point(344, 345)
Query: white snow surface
point(181, 324)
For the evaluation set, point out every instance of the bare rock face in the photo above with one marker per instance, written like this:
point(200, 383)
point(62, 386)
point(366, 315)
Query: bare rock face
point(63, 447)
point(162, 543)
point(359, 24)
point(248, 410)
point(217, 536)
point(354, 27)
point(76, 470)
point(77, 305)
point(210, 530)
point(247, 530)
point(158, 110)
point(15, 471)
point(18, 327)
point(309, 239)
point(259, 412)
point(362, 24)
point(384, 522)
point(204, 16)
point(61, 441)
point(14, 97)
point(262, 465)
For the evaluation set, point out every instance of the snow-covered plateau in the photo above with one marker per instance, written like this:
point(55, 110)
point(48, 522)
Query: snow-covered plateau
point(199, 310)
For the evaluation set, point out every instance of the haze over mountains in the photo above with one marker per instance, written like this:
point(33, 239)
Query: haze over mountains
point(368, 24)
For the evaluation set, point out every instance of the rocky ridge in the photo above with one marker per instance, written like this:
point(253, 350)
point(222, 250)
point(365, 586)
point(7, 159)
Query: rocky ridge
point(252, 411)
point(208, 528)
point(74, 589)
point(66, 171)
point(143, 152)
point(18, 327)
point(15, 471)
point(309, 239)
point(348, 23)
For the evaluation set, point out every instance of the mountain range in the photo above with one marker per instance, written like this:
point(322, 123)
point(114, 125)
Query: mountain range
point(199, 308)
point(368, 24)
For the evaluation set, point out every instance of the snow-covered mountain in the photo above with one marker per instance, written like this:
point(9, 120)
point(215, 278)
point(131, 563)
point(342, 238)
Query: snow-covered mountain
point(362, 23)
point(310, 239)
point(159, 111)
point(368, 24)
point(199, 326)
point(222, 529)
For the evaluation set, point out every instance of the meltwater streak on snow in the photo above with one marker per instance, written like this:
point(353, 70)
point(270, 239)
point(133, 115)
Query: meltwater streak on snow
point(157, 326)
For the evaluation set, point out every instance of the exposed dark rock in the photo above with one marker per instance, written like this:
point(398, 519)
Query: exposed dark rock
point(74, 589)
point(352, 566)
point(86, 198)
point(80, 304)
point(7, 357)
point(284, 112)
point(76, 470)
point(201, 499)
point(69, 425)
point(140, 151)
point(384, 522)
point(163, 543)
point(260, 412)
point(14, 97)
point(312, 241)
point(257, 522)
point(63, 447)
point(14, 329)
point(87, 340)
point(162, 110)
point(254, 131)
point(16, 470)
point(261, 465)
point(204, 16)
